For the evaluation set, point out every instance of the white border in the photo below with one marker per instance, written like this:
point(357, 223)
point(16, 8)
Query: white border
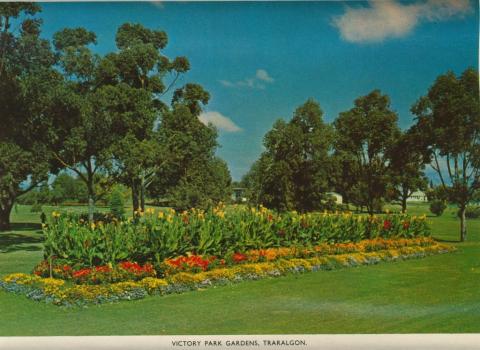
point(324, 342)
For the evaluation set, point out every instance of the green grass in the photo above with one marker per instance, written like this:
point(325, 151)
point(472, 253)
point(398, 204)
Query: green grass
point(432, 295)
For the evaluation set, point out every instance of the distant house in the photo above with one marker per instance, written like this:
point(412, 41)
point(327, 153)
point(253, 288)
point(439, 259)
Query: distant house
point(338, 197)
point(417, 196)
point(238, 195)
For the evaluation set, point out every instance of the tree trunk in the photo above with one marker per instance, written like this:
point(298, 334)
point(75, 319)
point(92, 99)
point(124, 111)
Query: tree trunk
point(404, 198)
point(404, 204)
point(135, 199)
point(370, 207)
point(463, 224)
point(142, 193)
point(5, 209)
point(91, 199)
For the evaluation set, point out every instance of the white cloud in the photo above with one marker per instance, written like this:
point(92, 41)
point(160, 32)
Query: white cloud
point(256, 82)
point(158, 4)
point(392, 19)
point(220, 121)
point(227, 83)
point(262, 74)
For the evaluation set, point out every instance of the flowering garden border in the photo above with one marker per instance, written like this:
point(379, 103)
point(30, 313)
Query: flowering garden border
point(60, 292)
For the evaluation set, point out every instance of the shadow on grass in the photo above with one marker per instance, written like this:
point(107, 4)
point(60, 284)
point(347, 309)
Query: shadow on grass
point(10, 242)
point(25, 226)
point(447, 240)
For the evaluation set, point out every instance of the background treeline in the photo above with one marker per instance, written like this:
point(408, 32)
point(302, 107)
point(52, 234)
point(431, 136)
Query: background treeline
point(364, 155)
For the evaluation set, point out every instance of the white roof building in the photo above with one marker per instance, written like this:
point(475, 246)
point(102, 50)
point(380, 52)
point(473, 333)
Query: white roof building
point(337, 196)
point(417, 196)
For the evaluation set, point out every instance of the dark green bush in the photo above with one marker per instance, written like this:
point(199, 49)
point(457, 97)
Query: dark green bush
point(437, 207)
point(117, 204)
point(97, 216)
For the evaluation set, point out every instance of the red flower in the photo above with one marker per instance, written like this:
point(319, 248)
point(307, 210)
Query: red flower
point(269, 217)
point(387, 225)
point(193, 261)
point(185, 219)
point(131, 267)
point(239, 257)
point(406, 225)
point(102, 269)
point(67, 268)
point(81, 273)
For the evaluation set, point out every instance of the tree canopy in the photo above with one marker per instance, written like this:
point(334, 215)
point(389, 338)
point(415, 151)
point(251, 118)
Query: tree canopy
point(365, 133)
point(292, 173)
point(448, 129)
point(25, 75)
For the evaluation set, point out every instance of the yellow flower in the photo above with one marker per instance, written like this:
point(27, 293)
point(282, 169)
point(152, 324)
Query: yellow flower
point(92, 226)
point(152, 284)
point(161, 215)
point(150, 211)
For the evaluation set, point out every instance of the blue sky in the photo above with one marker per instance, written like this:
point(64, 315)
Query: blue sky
point(260, 60)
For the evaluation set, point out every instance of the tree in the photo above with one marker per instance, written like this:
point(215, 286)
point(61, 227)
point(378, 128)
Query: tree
point(25, 75)
point(448, 128)
point(365, 133)
point(203, 186)
point(344, 178)
point(101, 110)
point(293, 171)
point(406, 165)
point(140, 64)
point(189, 174)
point(117, 203)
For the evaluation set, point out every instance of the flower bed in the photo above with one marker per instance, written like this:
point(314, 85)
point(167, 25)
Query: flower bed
point(154, 236)
point(132, 271)
point(60, 292)
point(124, 271)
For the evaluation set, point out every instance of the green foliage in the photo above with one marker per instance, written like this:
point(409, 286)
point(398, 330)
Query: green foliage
point(156, 236)
point(437, 207)
point(25, 78)
point(471, 212)
point(447, 128)
point(36, 208)
point(141, 156)
point(117, 203)
point(68, 188)
point(406, 169)
point(364, 137)
point(292, 173)
point(191, 175)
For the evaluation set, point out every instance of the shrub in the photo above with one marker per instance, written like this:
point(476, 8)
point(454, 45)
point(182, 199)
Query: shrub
point(97, 217)
point(471, 212)
point(117, 204)
point(437, 207)
point(36, 208)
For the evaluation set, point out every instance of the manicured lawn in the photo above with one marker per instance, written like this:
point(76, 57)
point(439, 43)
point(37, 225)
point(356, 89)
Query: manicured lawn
point(435, 294)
